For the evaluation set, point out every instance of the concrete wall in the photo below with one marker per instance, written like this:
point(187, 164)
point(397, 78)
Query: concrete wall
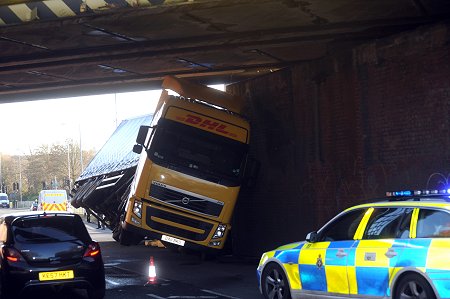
point(334, 132)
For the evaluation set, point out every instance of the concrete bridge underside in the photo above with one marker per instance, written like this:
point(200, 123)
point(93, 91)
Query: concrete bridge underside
point(60, 48)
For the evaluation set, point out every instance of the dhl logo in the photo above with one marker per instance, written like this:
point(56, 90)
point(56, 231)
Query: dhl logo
point(208, 124)
point(54, 206)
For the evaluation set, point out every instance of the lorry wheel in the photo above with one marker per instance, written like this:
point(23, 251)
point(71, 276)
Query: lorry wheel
point(124, 237)
point(116, 233)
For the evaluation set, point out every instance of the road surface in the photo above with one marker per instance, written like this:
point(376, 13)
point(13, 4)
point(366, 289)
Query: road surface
point(179, 275)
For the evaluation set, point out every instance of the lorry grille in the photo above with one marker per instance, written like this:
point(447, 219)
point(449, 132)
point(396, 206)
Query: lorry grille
point(176, 231)
point(186, 200)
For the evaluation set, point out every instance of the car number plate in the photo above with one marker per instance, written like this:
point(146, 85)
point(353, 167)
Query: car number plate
point(56, 275)
point(172, 240)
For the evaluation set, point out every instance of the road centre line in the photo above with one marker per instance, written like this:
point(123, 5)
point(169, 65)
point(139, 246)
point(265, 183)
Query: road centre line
point(191, 297)
point(112, 282)
point(219, 294)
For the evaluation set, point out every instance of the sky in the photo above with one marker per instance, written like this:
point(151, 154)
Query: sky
point(92, 119)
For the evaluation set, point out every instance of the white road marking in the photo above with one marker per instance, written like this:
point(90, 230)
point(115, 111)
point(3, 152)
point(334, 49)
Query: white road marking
point(219, 294)
point(155, 296)
point(111, 264)
point(112, 282)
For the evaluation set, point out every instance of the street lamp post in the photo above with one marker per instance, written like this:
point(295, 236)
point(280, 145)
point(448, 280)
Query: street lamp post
point(68, 165)
point(1, 178)
point(20, 179)
point(64, 124)
point(81, 150)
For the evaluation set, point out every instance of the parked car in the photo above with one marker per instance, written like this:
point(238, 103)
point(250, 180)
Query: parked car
point(42, 249)
point(34, 206)
point(397, 248)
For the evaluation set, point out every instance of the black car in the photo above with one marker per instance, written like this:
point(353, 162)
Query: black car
point(42, 249)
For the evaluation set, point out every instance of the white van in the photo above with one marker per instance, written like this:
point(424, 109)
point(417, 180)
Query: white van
point(52, 200)
point(4, 201)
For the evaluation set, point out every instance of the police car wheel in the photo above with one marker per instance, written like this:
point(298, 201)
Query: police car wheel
point(274, 283)
point(414, 286)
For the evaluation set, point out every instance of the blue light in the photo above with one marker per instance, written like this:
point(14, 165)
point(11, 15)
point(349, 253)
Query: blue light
point(402, 193)
point(421, 193)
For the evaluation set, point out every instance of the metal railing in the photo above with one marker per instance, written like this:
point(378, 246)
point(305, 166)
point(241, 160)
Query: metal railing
point(27, 205)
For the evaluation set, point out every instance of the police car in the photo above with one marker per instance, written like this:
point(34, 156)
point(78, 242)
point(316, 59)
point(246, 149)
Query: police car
point(397, 248)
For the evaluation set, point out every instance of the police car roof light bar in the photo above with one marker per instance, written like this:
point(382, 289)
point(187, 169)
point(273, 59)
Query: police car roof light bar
point(409, 194)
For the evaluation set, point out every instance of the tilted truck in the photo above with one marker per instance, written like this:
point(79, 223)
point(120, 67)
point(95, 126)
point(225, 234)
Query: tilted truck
point(193, 161)
point(100, 187)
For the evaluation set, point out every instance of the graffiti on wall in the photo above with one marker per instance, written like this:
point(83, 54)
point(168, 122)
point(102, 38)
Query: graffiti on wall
point(438, 181)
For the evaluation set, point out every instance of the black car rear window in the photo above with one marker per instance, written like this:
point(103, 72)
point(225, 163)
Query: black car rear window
point(49, 228)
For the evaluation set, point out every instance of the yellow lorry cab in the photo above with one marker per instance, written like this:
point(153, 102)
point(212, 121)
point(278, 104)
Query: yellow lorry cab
point(192, 165)
point(396, 248)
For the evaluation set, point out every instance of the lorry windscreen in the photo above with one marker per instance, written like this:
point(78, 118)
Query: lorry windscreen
point(198, 153)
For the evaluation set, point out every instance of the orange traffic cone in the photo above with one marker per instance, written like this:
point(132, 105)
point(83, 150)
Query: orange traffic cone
point(151, 272)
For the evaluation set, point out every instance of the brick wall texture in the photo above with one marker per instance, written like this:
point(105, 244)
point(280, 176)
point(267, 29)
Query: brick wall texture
point(332, 133)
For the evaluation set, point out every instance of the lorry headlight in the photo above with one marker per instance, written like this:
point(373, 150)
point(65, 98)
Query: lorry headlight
point(137, 208)
point(220, 231)
point(135, 221)
point(214, 243)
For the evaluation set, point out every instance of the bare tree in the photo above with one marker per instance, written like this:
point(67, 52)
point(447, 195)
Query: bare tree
point(47, 167)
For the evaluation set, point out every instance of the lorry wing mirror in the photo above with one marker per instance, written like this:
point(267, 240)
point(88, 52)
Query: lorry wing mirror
point(137, 148)
point(142, 135)
point(251, 171)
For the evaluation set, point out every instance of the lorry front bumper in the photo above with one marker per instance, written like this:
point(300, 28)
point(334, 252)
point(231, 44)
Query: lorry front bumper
point(157, 229)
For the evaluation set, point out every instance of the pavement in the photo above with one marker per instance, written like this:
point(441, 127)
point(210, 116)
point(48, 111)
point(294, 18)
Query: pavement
point(98, 234)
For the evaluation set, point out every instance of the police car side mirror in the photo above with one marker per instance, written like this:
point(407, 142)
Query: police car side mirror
point(311, 237)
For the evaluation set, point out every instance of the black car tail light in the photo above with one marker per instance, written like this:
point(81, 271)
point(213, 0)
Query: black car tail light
point(92, 250)
point(11, 254)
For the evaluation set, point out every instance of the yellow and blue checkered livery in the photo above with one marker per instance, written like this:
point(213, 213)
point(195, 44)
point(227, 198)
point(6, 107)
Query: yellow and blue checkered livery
point(397, 249)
